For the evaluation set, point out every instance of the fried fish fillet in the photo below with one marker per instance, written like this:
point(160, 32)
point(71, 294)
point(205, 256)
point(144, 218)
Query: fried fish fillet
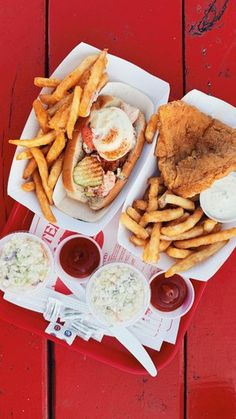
point(193, 148)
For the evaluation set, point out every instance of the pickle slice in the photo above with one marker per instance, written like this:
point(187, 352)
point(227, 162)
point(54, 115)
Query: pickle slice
point(88, 172)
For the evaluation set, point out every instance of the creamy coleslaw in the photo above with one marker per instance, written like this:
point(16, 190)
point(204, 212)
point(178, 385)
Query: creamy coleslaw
point(117, 293)
point(24, 262)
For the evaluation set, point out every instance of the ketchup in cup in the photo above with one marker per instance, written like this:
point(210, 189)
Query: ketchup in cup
point(79, 256)
point(168, 294)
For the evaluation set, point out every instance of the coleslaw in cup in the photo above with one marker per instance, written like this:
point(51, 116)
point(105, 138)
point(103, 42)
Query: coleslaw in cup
point(26, 263)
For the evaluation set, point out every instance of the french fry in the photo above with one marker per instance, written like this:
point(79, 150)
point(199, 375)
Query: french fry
point(145, 196)
point(195, 198)
point(178, 220)
point(194, 232)
point(137, 241)
point(40, 133)
point(154, 179)
point(37, 141)
point(169, 198)
point(48, 99)
point(28, 186)
point(74, 111)
point(186, 225)
point(24, 155)
point(131, 225)
point(178, 253)
point(160, 216)
point(42, 198)
point(56, 148)
point(149, 229)
point(84, 78)
point(209, 225)
point(29, 169)
point(41, 115)
point(194, 258)
point(73, 78)
point(55, 171)
point(133, 214)
point(152, 194)
point(151, 250)
point(92, 84)
point(103, 81)
point(140, 204)
point(207, 239)
point(32, 165)
point(60, 118)
point(151, 128)
point(46, 82)
point(164, 244)
point(216, 229)
point(43, 171)
point(142, 243)
point(64, 101)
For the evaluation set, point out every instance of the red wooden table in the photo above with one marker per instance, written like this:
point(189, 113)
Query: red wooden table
point(192, 44)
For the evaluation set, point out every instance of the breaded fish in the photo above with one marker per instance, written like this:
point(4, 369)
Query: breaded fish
point(193, 149)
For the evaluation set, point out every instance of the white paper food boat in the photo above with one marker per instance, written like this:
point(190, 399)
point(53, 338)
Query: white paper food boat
point(144, 90)
point(205, 270)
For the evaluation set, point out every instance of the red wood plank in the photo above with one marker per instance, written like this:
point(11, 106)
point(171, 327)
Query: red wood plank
point(211, 47)
point(211, 67)
point(88, 389)
point(211, 349)
point(23, 374)
point(149, 35)
point(23, 356)
point(22, 49)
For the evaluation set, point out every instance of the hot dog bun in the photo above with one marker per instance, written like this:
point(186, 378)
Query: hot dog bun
point(115, 150)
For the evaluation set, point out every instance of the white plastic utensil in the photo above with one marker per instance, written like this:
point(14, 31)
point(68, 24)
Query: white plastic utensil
point(75, 287)
point(38, 301)
point(130, 342)
point(29, 302)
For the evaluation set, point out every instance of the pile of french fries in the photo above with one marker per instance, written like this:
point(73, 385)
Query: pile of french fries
point(164, 222)
point(57, 114)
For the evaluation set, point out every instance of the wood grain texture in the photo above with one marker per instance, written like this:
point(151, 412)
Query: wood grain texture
point(22, 49)
point(90, 390)
point(148, 35)
point(211, 362)
point(210, 45)
point(151, 37)
point(23, 356)
point(23, 374)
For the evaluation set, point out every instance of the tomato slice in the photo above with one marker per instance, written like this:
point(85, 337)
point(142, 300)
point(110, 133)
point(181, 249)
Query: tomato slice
point(87, 136)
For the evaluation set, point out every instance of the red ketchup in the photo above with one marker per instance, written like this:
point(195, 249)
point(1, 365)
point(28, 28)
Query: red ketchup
point(79, 257)
point(167, 294)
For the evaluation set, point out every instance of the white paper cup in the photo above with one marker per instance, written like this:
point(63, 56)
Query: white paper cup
point(30, 288)
point(184, 308)
point(134, 318)
point(61, 272)
point(207, 204)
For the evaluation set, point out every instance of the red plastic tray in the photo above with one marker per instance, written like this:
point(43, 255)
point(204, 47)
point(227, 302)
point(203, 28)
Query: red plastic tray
point(109, 351)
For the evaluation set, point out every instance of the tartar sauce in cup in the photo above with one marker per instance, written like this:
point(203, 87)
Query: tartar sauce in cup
point(219, 201)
